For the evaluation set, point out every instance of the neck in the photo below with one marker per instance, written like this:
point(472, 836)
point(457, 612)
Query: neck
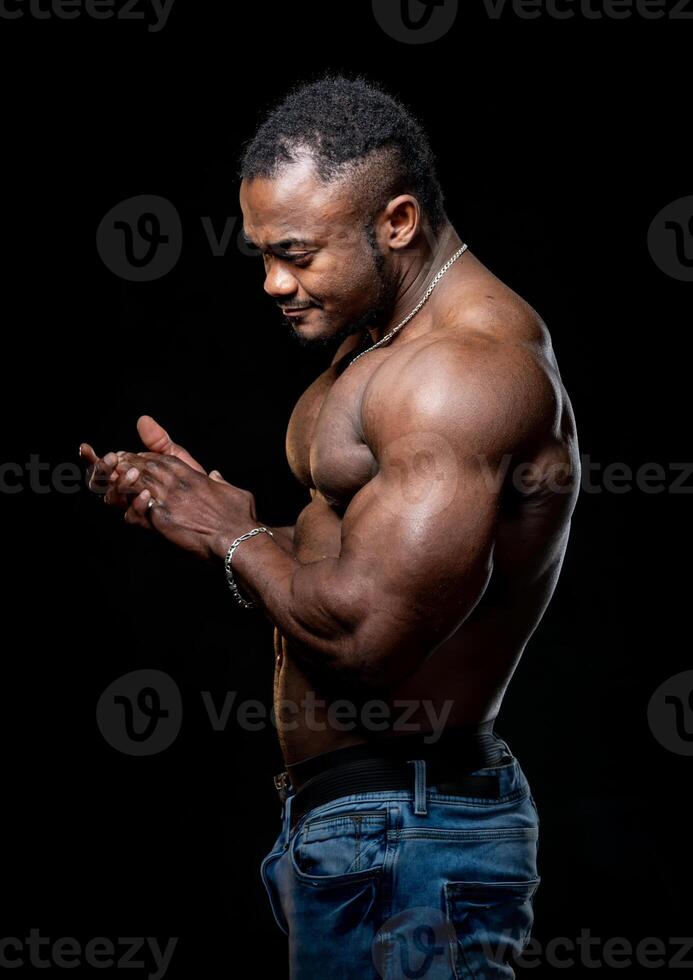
point(417, 275)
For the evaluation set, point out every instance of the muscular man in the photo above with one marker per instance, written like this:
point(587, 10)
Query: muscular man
point(443, 469)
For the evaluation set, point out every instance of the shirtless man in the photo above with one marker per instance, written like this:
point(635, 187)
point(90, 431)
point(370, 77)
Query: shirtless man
point(443, 469)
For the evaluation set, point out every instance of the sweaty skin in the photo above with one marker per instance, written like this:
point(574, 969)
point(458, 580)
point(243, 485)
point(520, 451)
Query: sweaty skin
point(414, 461)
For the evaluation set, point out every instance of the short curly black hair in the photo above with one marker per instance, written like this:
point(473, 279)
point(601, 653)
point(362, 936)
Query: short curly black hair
point(353, 130)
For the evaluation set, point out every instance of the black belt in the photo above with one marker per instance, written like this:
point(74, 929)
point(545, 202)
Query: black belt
point(371, 768)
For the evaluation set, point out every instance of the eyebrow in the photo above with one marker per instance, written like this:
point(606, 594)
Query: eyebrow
point(281, 245)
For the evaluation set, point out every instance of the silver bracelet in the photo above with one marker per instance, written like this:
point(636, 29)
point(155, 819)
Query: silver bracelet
point(247, 604)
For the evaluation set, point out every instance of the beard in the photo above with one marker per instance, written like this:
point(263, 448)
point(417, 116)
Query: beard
point(375, 315)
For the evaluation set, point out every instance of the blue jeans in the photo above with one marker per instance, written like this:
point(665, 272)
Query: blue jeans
point(408, 883)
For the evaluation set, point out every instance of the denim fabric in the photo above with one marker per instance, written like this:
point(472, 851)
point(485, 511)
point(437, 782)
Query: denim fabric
point(408, 883)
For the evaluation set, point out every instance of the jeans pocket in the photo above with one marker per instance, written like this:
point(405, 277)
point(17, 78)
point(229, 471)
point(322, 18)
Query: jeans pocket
point(272, 891)
point(340, 848)
point(492, 923)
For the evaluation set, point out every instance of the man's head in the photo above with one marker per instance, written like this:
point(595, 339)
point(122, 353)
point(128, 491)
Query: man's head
point(338, 186)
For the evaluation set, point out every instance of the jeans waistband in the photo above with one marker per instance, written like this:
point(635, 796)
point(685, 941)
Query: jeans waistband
point(391, 775)
point(506, 784)
point(465, 748)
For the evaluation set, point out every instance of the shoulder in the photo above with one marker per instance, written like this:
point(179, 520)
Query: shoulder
point(483, 389)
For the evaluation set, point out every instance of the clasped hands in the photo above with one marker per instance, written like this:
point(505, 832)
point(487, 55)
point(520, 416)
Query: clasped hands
point(198, 512)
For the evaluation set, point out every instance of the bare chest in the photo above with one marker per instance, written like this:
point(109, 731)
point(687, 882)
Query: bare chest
point(325, 445)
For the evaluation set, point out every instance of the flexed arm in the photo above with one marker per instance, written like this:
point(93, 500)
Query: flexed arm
point(416, 541)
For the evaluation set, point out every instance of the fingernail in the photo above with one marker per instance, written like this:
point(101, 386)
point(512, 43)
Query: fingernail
point(132, 474)
point(80, 449)
point(110, 458)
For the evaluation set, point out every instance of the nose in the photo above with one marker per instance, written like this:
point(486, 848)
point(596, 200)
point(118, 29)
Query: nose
point(279, 282)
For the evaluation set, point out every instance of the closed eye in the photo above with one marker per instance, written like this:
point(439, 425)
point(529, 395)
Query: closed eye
point(294, 256)
point(300, 259)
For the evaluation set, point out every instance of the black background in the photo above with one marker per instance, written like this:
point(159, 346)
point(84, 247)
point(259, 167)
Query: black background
point(558, 142)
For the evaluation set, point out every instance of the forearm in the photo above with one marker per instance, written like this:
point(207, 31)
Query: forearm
point(284, 536)
point(309, 603)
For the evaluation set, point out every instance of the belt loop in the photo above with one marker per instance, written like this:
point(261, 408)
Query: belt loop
point(419, 786)
point(286, 813)
point(282, 784)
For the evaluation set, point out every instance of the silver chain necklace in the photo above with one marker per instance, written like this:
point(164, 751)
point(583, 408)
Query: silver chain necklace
point(441, 272)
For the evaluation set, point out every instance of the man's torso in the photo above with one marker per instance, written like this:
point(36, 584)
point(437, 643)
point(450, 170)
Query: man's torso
point(463, 680)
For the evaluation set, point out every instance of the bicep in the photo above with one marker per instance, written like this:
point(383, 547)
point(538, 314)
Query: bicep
point(417, 546)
